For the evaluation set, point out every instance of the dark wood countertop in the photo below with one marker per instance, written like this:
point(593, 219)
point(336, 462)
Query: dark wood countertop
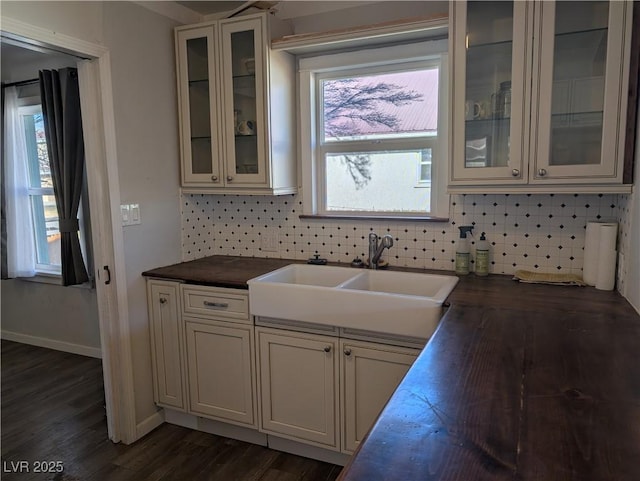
point(220, 271)
point(519, 382)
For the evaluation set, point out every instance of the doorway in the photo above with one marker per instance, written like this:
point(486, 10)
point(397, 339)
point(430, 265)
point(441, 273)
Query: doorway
point(101, 168)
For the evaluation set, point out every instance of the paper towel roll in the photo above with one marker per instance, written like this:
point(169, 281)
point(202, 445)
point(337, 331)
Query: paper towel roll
point(591, 244)
point(600, 254)
point(608, 236)
point(606, 270)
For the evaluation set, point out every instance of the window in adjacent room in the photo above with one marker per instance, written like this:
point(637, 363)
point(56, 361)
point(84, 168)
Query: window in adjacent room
point(34, 213)
point(44, 214)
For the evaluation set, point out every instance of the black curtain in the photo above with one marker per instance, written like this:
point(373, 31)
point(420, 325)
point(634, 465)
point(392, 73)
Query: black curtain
point(60, 96)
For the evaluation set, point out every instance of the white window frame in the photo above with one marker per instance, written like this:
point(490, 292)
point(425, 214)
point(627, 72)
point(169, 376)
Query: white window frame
point(376, 59)
point(32, 106)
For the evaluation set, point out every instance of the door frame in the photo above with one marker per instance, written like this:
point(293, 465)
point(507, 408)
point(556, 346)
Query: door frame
point(104, 199)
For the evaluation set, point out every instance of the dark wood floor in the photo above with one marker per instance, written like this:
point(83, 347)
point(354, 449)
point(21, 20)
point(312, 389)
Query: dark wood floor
point(52, 410)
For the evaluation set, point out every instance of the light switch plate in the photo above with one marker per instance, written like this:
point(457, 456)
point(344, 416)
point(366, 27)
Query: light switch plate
point(135, 214)
point(125, 214)
point(130, 214)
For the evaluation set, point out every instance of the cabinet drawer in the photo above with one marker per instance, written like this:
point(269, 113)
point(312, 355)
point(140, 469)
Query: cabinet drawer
point(215, 303)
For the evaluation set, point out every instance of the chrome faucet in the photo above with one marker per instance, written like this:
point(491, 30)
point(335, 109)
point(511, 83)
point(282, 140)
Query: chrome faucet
point(375, 248)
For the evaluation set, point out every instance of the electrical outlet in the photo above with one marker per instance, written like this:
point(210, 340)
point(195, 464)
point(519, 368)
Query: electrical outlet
point(269, 241)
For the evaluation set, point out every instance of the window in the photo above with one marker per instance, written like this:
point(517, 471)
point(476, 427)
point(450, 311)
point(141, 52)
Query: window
point(44, 214)
point(373, 132)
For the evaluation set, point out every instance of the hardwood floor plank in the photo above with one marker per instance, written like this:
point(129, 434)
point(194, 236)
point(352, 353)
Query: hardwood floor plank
point(53, 410)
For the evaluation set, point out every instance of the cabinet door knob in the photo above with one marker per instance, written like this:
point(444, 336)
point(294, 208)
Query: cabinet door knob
point(542, 172)
point(229, 178)
point(214, 178)
point(327, 348)
point(347, 352)
point(515, 172)
point(163, 300)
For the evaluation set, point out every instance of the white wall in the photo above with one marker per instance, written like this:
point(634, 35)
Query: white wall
point(145, 104)
point(632, 279)
point(64, 318)
point(82, 20)
point(143, 77)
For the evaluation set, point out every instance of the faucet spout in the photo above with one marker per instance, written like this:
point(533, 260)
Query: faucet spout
point(376, 249)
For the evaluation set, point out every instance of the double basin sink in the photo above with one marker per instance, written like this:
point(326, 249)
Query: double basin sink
point(390, 302)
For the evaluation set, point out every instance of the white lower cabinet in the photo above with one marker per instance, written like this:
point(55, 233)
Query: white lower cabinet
point(167, 343)
point(298, 382)
point(220, 360)
point(370, 373)
point(308, 382)
point(298, 379)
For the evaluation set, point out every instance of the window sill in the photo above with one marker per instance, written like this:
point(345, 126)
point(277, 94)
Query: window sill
point(54, 279)
point(409, 218)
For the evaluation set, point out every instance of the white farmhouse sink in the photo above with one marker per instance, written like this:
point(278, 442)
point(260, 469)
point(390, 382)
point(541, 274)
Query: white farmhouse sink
point(400, 303)
point(307, 275)
point(430, 286)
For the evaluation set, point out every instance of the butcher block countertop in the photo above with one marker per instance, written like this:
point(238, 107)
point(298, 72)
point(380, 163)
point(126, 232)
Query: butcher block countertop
point(519, 382)
point(220, 271)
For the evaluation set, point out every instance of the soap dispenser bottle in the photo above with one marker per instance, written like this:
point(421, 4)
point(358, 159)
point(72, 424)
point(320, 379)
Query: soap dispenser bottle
point(482, 256)
point(463, 251)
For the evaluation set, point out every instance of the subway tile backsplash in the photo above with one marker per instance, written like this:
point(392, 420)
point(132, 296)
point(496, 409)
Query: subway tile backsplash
point(543, 233)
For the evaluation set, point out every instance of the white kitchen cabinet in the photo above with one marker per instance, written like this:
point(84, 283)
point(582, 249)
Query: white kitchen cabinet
point(539, 95)
point(370, 373)
point(167, 341)
point(298, 378)
point(220, 360)
point(237, 108)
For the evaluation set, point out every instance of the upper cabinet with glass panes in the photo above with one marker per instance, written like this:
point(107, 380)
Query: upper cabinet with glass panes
point(237, 108)
point(539, 95)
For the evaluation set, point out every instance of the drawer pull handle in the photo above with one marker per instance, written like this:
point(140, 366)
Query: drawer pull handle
point(347, 352)
point(216, 305)
point(327, 348)
point(163, 300)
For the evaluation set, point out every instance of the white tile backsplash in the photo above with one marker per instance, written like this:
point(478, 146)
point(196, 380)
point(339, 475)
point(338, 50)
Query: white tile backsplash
point(537, 232)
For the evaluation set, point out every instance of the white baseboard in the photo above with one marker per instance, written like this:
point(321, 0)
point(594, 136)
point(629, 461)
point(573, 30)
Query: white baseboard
point(52, 344)
point(307, 451)
point(211, 426)
point(254, 436)
point(145, 427)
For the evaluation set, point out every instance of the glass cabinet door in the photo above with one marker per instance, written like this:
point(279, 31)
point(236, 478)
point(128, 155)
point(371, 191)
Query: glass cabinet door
point(243, 71)
point(489, 88)
point(198, 106)
point(579, 49)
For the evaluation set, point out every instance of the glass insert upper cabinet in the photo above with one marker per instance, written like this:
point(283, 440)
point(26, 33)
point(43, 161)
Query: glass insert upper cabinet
point(237, 108)
point(243, 77)
point(199, 105)
point(539, 92)
point(490, 115)
point(581, 91)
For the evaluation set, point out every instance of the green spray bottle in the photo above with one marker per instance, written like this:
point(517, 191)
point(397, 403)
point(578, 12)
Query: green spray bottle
point(482, 256)
point(463, 251)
